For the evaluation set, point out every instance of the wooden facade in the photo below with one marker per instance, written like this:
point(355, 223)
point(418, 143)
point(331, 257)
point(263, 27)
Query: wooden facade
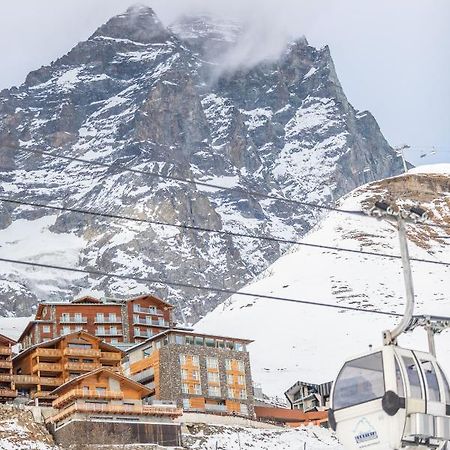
point(113, 320)
point(7, 388)
point(106, 393)
point(199, 372)
point(40, 368)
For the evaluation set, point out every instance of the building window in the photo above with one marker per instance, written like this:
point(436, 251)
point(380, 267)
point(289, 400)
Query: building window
point(189, 340)
point(213, 377)
point(147, 351)
point(136, 307)
point(241, 380)
point(214, 391)
point(195, 360)
point(197, 389)
point(46, 329)
point(198, 340)
point(101, 330)
point(184, 374)
point(243, 394)
point(220, 343)
point(137, 331)
point(228, 365)
point(99, 317)
point(186, 403)
point(244, 409)
point(231, 393)
point(209, 342)
point(241, 366)
point(78, 317)
point(112, 317)
point(230, 379)
point(182, 360)
point(179, 339)
point(239, 347)
point(66, 330)
point(114, 341)
point(195, 375)
point(113, 330)
point(100, 390)
point(65, 317)
point(185, 388)
point(212, 363)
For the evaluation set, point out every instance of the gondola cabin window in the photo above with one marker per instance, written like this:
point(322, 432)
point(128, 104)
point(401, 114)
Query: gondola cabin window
point(432, 381)
point(413, 377)
point(360, 380)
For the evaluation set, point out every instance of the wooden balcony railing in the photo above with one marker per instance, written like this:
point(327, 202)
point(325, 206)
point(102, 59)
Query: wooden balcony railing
point(110, 356)
point(84, 394)
point(92, 352)
point(8, 393)
point(116, 409)
point(50, 381)
point(43, 394)
point(26, 379)
point(49, 352)
point(85, 367)
point(47, 367)
point(6, 377)
point(5, 351)
point(5, 364)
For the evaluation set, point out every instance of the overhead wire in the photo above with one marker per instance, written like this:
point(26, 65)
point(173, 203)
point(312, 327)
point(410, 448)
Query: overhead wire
point(219, 232)
point(194, 286)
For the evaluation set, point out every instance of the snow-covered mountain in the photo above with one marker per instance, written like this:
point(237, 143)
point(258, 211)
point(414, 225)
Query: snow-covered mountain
point(167, 100)
point(309, 343)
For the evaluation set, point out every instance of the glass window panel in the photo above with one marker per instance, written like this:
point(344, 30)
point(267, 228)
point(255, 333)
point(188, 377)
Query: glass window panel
point(434, 393)
point(446, 386)
point(360, 380)
point(399, 379)
point(413, 377)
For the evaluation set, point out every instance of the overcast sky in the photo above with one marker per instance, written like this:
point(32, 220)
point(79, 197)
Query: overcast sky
point(392, 56)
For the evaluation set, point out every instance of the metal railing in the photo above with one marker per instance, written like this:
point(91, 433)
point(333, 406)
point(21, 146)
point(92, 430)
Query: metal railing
point(143, 310)
point(152, 323)
point(220, 408)
point(86, 394)
point(145, 374)
point(108, 333)
point(72, 320)
point(116, 409)
point(108, 320)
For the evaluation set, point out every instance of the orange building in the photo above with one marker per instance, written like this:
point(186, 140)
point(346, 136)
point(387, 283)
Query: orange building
point(7, 389)
point(40, 368)
point(199, 372)
point(291, 417)
point(110, 399)
point(115, 321)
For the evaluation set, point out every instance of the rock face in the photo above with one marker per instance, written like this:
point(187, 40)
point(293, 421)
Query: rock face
point(163, 100)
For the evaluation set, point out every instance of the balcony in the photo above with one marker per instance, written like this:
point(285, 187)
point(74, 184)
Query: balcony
point(47, 367)
point(26, 379)
point(50, 381)
point(43, 394)
point(140, 309)
point(147, 410)
point(48, 352)
point(141, 334)
point(10, 393)
point(5, 364)
point(81, 366)
point(108, 320)
point(110, 356)
point(215, 408)
point(84, 394)
point(6, 377)
point(5, 351)
point(150, 323)
point(141, 377)
point(73, 319)
point(108, 333)
point(90, 352)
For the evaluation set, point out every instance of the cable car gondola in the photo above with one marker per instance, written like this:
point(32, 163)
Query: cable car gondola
point(392, 398)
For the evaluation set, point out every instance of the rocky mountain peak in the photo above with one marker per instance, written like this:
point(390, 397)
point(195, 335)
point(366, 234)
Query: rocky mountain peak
point(139, 24)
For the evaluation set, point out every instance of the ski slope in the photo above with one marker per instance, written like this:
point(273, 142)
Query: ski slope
point(302, 342)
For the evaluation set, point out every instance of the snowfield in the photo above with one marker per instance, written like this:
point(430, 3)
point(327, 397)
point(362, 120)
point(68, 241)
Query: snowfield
point(302, 342)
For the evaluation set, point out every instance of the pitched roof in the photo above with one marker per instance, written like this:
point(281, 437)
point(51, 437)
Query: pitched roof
point(6, 339)
point(118, 376)
point(185, 332)
point(54, 341)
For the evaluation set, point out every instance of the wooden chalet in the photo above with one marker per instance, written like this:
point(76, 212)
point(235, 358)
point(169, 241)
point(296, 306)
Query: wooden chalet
point(37, 370)
point(7, 388)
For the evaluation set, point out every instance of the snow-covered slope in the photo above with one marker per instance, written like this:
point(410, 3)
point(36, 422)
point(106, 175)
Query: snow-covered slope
point(159, 100)
point(300, 342)
point(236, 438)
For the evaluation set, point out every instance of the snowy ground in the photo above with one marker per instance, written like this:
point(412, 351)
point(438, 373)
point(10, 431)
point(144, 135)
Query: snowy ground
point(237, 438)
point(301, 342)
